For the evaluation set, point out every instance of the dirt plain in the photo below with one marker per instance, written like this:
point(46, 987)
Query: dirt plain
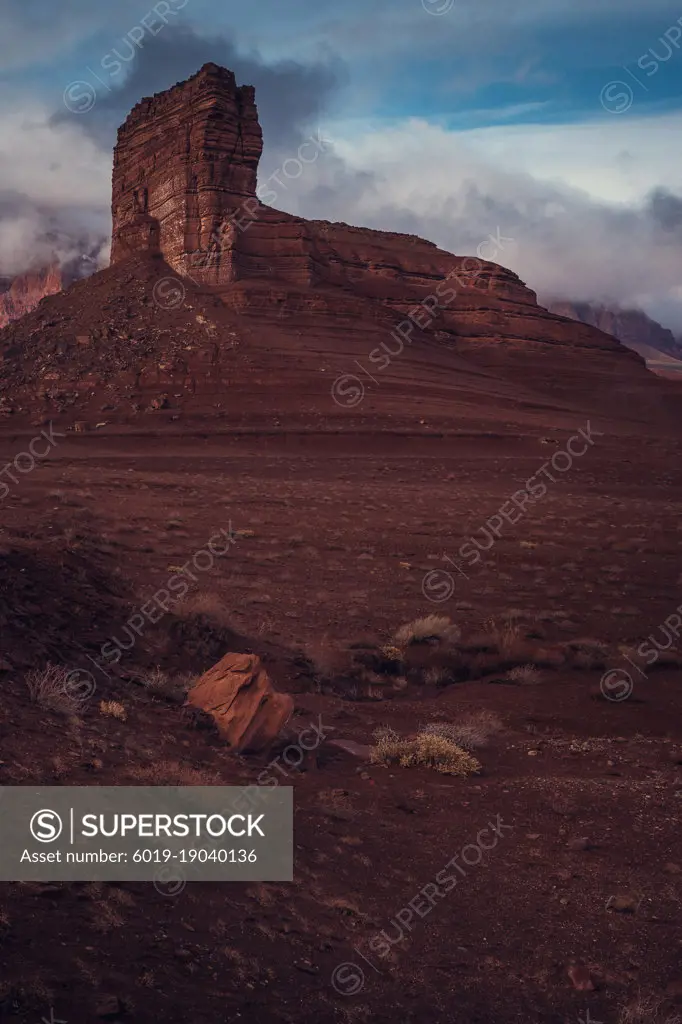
point(339, 540)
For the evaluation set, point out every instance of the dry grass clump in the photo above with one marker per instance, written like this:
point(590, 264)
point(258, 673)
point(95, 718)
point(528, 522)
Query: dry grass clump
point(431, 627)
point(112, 709)
point(50, 688)
point(506, 636)
point(173, 688)
point(437, 675)
point(648, 1010)
point(425, 750)
point(391, 652)
point(470, 733)
point(528, 675)
point(172, 773)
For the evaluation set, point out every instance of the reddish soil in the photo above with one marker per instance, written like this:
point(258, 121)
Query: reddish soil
point(344, 530)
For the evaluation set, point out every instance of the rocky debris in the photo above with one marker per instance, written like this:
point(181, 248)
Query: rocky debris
point(239, 695)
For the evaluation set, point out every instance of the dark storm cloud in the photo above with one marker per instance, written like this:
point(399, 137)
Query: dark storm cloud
point(290, 95)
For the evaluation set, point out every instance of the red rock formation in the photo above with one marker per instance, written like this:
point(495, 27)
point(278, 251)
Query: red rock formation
point(272, 319)
point(21, 294)
point(184, 186)
point(183, 160)
point(239, 695)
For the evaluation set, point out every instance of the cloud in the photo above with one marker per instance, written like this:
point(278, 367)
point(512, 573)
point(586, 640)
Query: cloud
point(36, 32)
point(291, 95)
point(567, 243)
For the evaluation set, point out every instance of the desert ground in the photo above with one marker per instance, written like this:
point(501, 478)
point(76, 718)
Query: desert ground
point(570, 913)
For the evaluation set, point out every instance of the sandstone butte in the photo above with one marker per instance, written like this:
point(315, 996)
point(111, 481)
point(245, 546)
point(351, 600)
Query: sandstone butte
point(218, 307)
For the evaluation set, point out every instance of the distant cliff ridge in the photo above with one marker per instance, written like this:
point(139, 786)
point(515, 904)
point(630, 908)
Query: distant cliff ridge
point(632, 327)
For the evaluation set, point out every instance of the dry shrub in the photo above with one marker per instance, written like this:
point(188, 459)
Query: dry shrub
point(506, 636)
point(50, 688)
point(432, 627)
point(425, 750)
point(391, 652)
point(173, 688)
point(528, 675)
point(437, 675)
point(112, 709)
point(470, 733)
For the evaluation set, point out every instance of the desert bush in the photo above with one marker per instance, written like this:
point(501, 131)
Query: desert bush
point(436, 675)
point(112, 709)
point(471, 731)
point(431, 627)
point(425, 750)
point(173, 688)
point(526, 674)
point(49, 687)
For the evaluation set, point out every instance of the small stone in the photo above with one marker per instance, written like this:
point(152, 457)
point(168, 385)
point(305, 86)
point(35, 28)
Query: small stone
point(533, 753)
point(672, 869)
point(533, 835)
point(578, 845)
point(183, 954)
point(624, 904)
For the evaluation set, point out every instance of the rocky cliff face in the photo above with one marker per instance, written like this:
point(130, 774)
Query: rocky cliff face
point(184, 160)
point(217, 305)
point(20, 294)
point(632, 327)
